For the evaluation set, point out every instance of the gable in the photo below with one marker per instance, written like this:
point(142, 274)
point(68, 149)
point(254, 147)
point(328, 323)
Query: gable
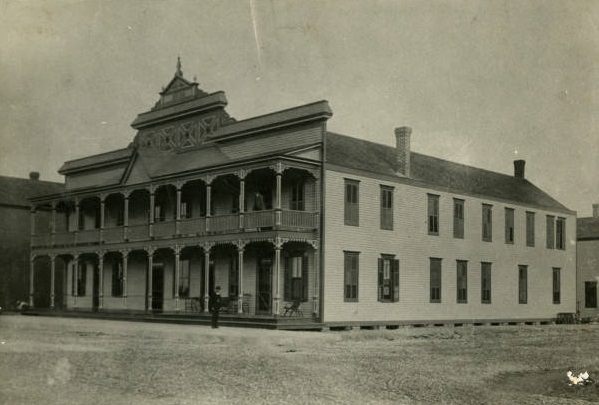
point(311, 153)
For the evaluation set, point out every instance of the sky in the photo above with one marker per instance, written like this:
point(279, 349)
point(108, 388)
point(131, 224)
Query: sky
point(481, 83)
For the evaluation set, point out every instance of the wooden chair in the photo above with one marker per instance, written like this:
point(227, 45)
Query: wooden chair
point(293, 309)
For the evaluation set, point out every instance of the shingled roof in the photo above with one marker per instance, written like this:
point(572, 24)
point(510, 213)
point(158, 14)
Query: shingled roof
point(354, 153)
point(587, 228)
point(16, 191)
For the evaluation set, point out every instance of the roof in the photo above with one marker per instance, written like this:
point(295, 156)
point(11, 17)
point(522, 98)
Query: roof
point(376, 158)
point(94, 160)
point(16, 191)
point(587, 228)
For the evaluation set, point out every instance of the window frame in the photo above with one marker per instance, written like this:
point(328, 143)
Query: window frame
point(487, 226)
point(530, 229)
point(462, 281)
point(433, 226)
point(297, 197)
point(435, 274)
point(180, 288)
point(556, 285)
point(522, 284)
point(351, 207)
point(560, 233)
point(550, 231)
point(117, 278)
point(459, 207)
point(392, 282)
point(510, 225)
point(386, 207)
point(486, 294)
point(351, 276)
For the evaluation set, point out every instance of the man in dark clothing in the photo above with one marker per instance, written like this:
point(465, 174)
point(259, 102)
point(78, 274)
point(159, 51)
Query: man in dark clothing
point(214, 306)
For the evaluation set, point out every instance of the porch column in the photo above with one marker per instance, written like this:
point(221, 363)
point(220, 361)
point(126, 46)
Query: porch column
point(316, 279)
point(125, 215)
point(100, 279)
point(33, 213)
point(52, 279)
point(279, 174)
point(151, 219)
point(75, 279)
point(31, 271)
point(177, 250)
point(207, 248)
point(276, 289)
point(102, 217)
point(53, 223)
point(208, 200)
point(240, 249)
point(241, 199)
point(149, 280)
point(76, 216)
point(178, 210)
point(125, 261)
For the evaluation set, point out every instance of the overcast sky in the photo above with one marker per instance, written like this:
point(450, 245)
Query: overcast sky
point(481, 83)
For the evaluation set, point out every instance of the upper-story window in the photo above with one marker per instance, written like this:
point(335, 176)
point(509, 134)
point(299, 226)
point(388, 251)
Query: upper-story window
point(433, 214)
point(530, 228)
point(297, 196)
point(352, 204)
point(550, 232)
point(458, 218)
point(487, 222)
point(509, 225)
point(387, 207)
point(560, 233)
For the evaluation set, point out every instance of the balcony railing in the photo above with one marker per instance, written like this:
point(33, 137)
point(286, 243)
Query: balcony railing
point(163, 229)
point(299, 219)
point(138, 232)
point(88, 236)
point(112, 235)
point(192, 226)
point(259, 219)
point(41, 240)
point(64, 238)
point(224, 223)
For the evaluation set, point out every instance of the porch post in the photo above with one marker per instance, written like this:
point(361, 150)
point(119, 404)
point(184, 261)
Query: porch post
point(241, 174)
point(276, 289)
point(316, 273)
point(208, 201)
point(125, 261)
point(207, 247)
point(151, 221)
point(52, 279)
point(31, 271)
point(177, 250)
point(150, 251)
point(100, 279)
point(279, 174)
point(102, 213)
point(53, 223)
point(178, 210)
point(32, 212)
point(240, 249)
point(125, 215)
point(75, 279)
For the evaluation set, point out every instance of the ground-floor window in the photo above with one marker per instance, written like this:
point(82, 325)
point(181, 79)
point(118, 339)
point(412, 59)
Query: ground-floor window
point(522, 284)
point(462, 281)
point(117, 279)
point(184, 278)
point(556, 285)
point(388, 280)
point(296, 277)
point(351, 274)
point(81, 277)
point(435, 280)
point(485, 283)
point(590, 294)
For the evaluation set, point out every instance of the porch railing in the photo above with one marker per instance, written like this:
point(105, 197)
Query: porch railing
point(112, 235)
point(299, 219)
point(192, 226)
point(138, 232)
point(64, 238)
point(223, 223)
point(88, 236)
point(259, 219)
point(41, 240)
point(164, 229)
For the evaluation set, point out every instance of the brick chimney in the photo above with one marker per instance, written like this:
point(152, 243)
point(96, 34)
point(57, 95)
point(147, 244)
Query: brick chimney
point(34, 175)
point(595, 210)
point(519, 168)
point(402, 150)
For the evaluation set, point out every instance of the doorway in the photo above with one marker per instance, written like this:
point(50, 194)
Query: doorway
point(157, 286)
point(263, 285)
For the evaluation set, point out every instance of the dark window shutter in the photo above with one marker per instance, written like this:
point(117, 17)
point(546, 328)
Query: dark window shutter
point(380, 281)
point(395, 273)
point(287, 295)
point(305, 277)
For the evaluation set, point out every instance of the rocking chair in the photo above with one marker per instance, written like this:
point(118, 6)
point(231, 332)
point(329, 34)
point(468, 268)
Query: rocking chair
point(294, 308)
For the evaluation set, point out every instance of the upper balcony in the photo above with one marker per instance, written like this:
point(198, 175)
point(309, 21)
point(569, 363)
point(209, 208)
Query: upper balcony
point(264, 198)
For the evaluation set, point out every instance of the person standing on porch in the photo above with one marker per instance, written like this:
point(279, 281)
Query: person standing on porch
point(214, 306)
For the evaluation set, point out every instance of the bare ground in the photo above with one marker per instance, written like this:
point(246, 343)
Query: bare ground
point(77, 361)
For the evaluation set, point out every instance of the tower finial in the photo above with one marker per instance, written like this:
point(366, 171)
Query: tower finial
point(179, 72)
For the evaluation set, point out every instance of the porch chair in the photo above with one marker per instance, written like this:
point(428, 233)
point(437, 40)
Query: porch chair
point(293, 308)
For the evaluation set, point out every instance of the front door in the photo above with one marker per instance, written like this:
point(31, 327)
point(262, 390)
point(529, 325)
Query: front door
point(96, 289)
point(264, 285)
point(157, 287)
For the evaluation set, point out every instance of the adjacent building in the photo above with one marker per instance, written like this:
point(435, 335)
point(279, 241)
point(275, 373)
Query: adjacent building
point(587, 250)
point(278, 210)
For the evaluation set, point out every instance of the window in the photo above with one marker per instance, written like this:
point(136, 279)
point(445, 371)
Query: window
point(556, 285)
point(485, 283)
point(185, 210)
point(297, 196)
point(462, 281)
point(81, 278)
point(522, 284)
point(509, 225)
point(117, 278)
point(435, 279)
point(530, 229)
point(184, 278)
point(388, 281)
point(351, 266)
point(458, 218)
point(590, 294)
point(296, 277)
point(550, 232)
point(487, 222)
point(560, 231)
point(159, 214)
point(387, 208)
point(352, 211)
point(433, 214)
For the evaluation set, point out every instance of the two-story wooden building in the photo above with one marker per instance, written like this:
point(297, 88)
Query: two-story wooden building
point(587, 250)
point(277, 210)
